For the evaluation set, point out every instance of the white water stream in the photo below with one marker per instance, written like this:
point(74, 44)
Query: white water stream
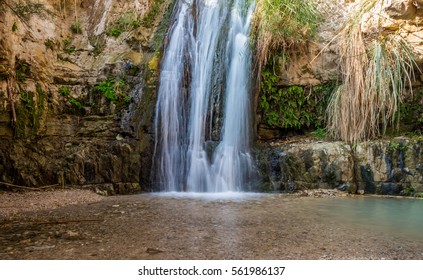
point(208, 38)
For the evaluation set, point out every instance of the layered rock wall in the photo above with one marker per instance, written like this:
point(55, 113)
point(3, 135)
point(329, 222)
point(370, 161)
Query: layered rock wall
point(59, 126)
point(389, 167)
point(73, 75)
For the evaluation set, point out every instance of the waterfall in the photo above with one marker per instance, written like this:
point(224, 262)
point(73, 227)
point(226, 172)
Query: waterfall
point(209, 38)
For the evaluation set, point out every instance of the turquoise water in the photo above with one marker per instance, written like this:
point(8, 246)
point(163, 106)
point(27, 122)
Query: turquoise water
point(401, 217)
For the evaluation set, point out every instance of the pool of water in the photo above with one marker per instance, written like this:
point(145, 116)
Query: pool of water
point(384, 216)
point(403, 217)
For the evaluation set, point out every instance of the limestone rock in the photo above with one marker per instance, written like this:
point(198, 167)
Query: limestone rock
point(374, 167)
point(400, 9)
point(56, 143)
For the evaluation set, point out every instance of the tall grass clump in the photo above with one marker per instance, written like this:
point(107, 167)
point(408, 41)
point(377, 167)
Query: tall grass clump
point(376, 69)
point(282, 26)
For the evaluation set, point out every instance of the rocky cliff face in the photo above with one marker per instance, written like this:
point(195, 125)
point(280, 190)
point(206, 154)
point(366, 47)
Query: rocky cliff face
point(386, 167)
point(72, 74)
point(77, 92)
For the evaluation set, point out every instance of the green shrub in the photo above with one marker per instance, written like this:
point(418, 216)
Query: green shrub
point(116, 91)
point(152, 14)
point(22, 70)
point(126, 22)
point(67, 47)
point(25, 9)
point(107, 89)
point(76, 27)
point(75, 103)
point(49, 43)
point(14, 27)
point(319, 133)
point(293, 107)
point(283, 26)
point(115, 31)
point(64, 91)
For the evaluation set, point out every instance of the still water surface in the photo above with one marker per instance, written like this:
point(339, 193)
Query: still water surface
point(403, 217)
point(392, 216)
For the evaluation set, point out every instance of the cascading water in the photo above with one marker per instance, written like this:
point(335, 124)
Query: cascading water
point(208, 38)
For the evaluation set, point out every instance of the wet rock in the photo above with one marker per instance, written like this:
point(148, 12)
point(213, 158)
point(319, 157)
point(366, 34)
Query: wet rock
point(373, 167)
point(390, 189)
point(368, 178)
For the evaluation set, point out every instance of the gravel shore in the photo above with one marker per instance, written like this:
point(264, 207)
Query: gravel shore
point(12, 204)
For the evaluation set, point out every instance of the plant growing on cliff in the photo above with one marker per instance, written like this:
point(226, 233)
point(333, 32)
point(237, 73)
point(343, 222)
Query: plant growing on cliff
point(375, 72)
point(283, 26)
point(67, 47)
point(14, 27)
point(293, 107)
point(22, 70)
point(76, 27)
point(126, 22)
point(150, 16)
point(24, 9)
point(64, 91)
point(115, 91)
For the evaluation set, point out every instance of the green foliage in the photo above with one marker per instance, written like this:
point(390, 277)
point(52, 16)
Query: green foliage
point(26, 8)
point(319, 133)
point(115, 32)
point(49, 43)
point(411, 112)
point(22, 70)
point(283, 26)
point(292, 107)
point(397, 146)
point(393, 146)
point(126, 22)
point(75, 103)
point(107, 88)
point(151, 15)
point(162, 29)
point(115, 91)
point(67, 47)
point(29, 112)
point(64, 91)
point(14, 27)
point(76, 27)
point(408, 191)
point(70, 49)
point(66, 42)
point(419, 195)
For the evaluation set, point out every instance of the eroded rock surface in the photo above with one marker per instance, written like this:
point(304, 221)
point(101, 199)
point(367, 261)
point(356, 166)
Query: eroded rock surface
point(77, 91)
point(388, 167)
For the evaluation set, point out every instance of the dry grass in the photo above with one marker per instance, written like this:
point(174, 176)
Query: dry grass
point(375, 73)
point(282, 26)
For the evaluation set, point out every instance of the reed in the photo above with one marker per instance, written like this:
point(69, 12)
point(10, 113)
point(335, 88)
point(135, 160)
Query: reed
point(376, 70)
